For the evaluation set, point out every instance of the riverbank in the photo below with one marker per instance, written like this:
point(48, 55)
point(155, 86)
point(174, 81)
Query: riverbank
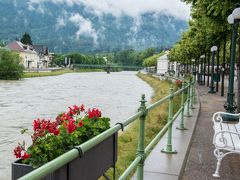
point(155, 120)
point(59, 72)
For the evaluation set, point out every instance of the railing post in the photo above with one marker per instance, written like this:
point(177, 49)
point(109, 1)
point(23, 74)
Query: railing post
point(170, 119)
point(181, 126)
point(140, 150)
point(188, 99)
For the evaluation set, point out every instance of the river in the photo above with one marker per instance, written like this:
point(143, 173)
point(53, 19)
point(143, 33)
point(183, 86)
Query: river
point(116, 94)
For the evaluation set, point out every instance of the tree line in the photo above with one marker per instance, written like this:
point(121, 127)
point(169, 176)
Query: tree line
point(208, 27)
point(128, 57)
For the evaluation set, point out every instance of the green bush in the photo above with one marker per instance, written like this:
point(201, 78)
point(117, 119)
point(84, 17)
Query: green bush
point(10, 67)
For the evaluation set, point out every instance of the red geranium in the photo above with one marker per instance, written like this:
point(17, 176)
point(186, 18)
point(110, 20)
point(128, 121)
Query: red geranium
point(52, 138)
point(179, 83)
point(26, 155)
point(80, 123)
point(17, 152)
point(82, 108)
point(71, 126)
point(94, 113)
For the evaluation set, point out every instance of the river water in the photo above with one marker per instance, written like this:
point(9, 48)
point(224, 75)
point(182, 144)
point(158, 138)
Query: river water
point(117, 95)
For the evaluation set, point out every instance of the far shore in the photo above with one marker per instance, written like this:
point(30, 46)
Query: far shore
point(57, 72)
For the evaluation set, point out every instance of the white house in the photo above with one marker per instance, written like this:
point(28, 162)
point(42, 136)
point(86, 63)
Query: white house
point(43, 54)
point(32, 56)
point(29, 57)
point(164, 65)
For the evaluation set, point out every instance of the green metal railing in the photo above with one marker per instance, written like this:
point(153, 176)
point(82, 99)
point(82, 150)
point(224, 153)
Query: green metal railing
point(138, 162)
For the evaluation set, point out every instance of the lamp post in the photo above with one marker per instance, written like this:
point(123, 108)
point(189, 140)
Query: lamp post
point(211, 90)
point(204, 70)
point(233, 19)
point(107, 64)
point(202, 57)
point(194, 67)
point(223, 69)
point(197, 70)
point(208, 68)
point(217, 69)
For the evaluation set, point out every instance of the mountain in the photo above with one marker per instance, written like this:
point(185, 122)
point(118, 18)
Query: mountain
point(75, 27)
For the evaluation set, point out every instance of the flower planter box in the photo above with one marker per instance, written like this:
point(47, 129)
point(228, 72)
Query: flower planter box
point(91, 166)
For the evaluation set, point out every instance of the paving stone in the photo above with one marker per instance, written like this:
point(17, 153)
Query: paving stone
point(201, 162)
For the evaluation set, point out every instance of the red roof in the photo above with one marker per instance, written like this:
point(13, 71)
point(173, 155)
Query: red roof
point(15, 46)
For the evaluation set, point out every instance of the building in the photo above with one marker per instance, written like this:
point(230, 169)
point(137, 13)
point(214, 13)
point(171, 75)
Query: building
point(164, 65)
point(43, 54)
point(28, 56)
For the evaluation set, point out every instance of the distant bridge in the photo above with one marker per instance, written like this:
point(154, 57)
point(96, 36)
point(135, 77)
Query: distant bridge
point(108, 67)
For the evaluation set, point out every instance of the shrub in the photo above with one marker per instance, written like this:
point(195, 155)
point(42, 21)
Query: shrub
point(10, 67)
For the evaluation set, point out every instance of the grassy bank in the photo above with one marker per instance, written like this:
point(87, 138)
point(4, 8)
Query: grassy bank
point(156, 119)
point(56, 73)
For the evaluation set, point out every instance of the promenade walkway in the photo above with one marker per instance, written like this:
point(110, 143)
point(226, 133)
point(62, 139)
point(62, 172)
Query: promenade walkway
point(201, 162)
point(164, 166)
point(195, 159)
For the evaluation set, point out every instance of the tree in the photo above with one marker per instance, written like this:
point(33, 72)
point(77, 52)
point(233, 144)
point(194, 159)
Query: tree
point(2, 44)
point(26, 39)
point(152, 60)
point(10, 67)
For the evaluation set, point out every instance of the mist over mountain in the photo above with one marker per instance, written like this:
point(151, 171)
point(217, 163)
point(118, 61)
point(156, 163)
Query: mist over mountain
point(74, 25)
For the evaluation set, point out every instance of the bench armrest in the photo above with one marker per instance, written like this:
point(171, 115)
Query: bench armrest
point(218, 118)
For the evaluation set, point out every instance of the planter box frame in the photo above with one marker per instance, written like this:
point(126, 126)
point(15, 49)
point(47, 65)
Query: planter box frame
point(94, 163)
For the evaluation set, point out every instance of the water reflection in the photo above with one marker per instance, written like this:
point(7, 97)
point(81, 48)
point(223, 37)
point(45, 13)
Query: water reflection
point(116, 94)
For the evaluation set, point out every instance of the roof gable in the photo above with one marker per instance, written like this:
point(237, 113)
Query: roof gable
point(20, 47)
point(15, 46)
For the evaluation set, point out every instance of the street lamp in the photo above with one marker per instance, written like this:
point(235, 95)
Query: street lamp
point(202, 57)
point(108, 65)
point(197, 69)
point(204, 69)
point(233, 19)
point(194, 67)
point(208, 69)
point(213, 50)
point(230, 19)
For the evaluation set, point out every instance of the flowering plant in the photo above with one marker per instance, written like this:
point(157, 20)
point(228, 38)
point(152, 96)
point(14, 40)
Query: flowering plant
point(51, 139)
point(179, 83)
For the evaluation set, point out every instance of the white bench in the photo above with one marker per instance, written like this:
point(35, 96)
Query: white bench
point(226, 138)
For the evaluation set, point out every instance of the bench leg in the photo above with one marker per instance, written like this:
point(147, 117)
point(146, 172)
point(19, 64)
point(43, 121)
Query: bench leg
point(219, 156)
point(216, 174)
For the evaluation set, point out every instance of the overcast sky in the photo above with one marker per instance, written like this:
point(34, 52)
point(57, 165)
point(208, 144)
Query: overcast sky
point(132, 8)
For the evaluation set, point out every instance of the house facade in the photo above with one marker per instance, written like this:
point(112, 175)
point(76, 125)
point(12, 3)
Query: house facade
point(28, 56)
point(36, 56)
point(164, 65)
point(43, 54)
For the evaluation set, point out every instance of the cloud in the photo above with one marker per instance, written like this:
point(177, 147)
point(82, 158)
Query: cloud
point(84, 27)
point(133, 8)
point(137, 24)
point(116, 8)
point(33, 6)
point(60, 22)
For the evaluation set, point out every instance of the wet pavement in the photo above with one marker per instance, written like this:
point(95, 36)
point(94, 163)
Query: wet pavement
point(164, 166)
point(201, 162)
